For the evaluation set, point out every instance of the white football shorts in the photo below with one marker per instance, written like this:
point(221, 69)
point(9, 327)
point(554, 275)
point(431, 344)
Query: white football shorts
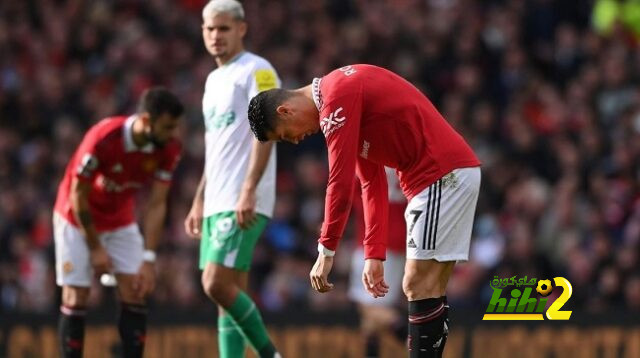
point(124, 246)
point(440, 218)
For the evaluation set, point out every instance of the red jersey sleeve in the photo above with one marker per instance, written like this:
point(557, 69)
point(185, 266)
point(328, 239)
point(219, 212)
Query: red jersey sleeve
point(340, 124)
point(375, 203)
point(88, 157)
point(169, 162)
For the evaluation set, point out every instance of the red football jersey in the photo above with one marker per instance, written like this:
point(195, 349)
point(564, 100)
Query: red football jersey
point(397, 230)
point(372, 118)
point(108, 158)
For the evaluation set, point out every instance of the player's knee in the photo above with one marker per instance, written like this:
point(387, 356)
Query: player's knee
point(75, 296)
point(214, 287)
point(418, 287)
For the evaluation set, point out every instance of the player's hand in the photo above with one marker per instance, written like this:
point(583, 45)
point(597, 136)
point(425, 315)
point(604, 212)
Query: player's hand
point(100, 261)
point(373, 278)
point(320, 272)
point(246, 208)
point(193, 222)
point(145, 281)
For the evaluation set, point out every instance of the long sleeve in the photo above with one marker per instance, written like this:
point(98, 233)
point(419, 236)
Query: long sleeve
point(375, 202)
point(341, 126)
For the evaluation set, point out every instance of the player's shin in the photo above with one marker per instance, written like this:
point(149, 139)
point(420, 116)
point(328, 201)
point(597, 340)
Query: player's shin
point(427, 327)
point(71, 331)
point(231, 342)
point(132, 326)
point(246, 315)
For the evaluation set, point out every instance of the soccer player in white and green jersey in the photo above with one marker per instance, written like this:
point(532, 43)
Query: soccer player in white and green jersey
point(236, 194)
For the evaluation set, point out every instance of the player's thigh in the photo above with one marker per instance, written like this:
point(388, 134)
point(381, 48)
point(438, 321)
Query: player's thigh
point(74, 296)
point(216, 274)
point(125, 247)
point(226, 244)
point(440, 218)
point(426, 278)
point(73, 267)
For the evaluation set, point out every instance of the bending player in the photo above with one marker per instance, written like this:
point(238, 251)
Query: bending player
point(95, 229)
point(372, 118)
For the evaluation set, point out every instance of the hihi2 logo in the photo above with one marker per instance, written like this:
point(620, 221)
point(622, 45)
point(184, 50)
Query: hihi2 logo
point(521, 306)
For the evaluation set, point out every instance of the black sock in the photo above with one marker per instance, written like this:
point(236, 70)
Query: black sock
point(372, 346)
point(71, 331)
point(268, 351)
point(427, 327)
point(133, 328)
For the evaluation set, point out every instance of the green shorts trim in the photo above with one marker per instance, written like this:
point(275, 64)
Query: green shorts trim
point(224, 243)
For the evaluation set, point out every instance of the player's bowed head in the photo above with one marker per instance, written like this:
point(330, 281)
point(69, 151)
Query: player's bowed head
point(283, 115)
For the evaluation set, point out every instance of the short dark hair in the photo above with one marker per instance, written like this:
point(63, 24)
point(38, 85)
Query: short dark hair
point(262, 111)
point(158, 101)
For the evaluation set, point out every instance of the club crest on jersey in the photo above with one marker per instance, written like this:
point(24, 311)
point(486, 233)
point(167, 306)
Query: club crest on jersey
point(333, 122)
point(149, 165)
point(117, 168)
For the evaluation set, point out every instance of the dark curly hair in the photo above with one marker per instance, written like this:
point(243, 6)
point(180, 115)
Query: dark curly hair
point(262, 111)
point(158, 101)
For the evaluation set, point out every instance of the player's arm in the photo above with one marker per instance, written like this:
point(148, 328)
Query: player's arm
point(342, 152)
point(375, 203)
point(156, 209)
point(193, 221)
point(263, 78)
point(80, 190)
point(245, 208)
point(81, 186)
point(154, 217)
point(341, 124)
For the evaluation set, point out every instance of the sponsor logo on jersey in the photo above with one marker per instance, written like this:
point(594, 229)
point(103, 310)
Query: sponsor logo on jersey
point(333, 122)
point(117, 168)
point(214, 120)
point(411, 244)
point(111, 186)
point(265, 79)
point(365, 149)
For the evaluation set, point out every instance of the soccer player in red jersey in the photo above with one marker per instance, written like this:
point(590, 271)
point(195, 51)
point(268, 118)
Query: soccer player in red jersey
point(95, 229)
point(372, 118)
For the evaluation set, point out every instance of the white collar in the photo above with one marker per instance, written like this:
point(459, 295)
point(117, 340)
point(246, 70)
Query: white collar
point(315, 91)
point(129, 144)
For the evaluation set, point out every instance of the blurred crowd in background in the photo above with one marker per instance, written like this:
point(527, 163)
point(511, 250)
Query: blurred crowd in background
point(546, 92)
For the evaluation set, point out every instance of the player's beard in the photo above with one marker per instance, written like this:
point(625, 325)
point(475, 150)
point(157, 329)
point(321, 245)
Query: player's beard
point(153, 139)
